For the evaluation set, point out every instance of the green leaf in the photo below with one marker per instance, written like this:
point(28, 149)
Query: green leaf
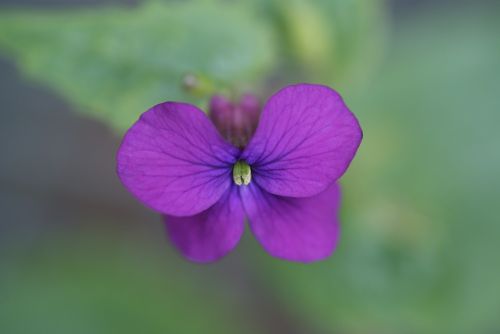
point(115, 63)
point(92, 280)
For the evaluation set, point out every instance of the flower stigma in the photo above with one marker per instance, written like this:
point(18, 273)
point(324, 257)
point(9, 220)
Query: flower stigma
point(242, 173)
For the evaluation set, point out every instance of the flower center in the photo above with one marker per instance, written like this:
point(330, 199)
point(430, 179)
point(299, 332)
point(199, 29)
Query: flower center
point(242, 173)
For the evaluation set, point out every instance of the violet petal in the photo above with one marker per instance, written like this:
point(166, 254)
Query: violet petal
point(295, 229)
point(211, 234)
point(305, 140)
point(174, 160)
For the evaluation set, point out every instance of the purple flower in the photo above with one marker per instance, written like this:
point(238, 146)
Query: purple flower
point(280, 171)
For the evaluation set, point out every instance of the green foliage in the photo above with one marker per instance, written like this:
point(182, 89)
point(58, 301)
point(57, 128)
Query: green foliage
point(115, 63)
point(419, 246)
point(336, 42)
point(112, 283)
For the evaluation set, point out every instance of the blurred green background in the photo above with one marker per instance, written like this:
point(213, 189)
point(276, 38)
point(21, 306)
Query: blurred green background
point(420, 245)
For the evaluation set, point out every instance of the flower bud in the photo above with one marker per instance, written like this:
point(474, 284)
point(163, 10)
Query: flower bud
point(235, 121)
point(220, 112)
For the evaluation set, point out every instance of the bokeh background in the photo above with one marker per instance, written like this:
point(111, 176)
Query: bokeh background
point(420, 245)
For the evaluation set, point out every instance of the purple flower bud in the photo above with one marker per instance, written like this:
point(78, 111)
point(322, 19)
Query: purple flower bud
point(220, 110)
point(251, 104)
point(236, 122)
